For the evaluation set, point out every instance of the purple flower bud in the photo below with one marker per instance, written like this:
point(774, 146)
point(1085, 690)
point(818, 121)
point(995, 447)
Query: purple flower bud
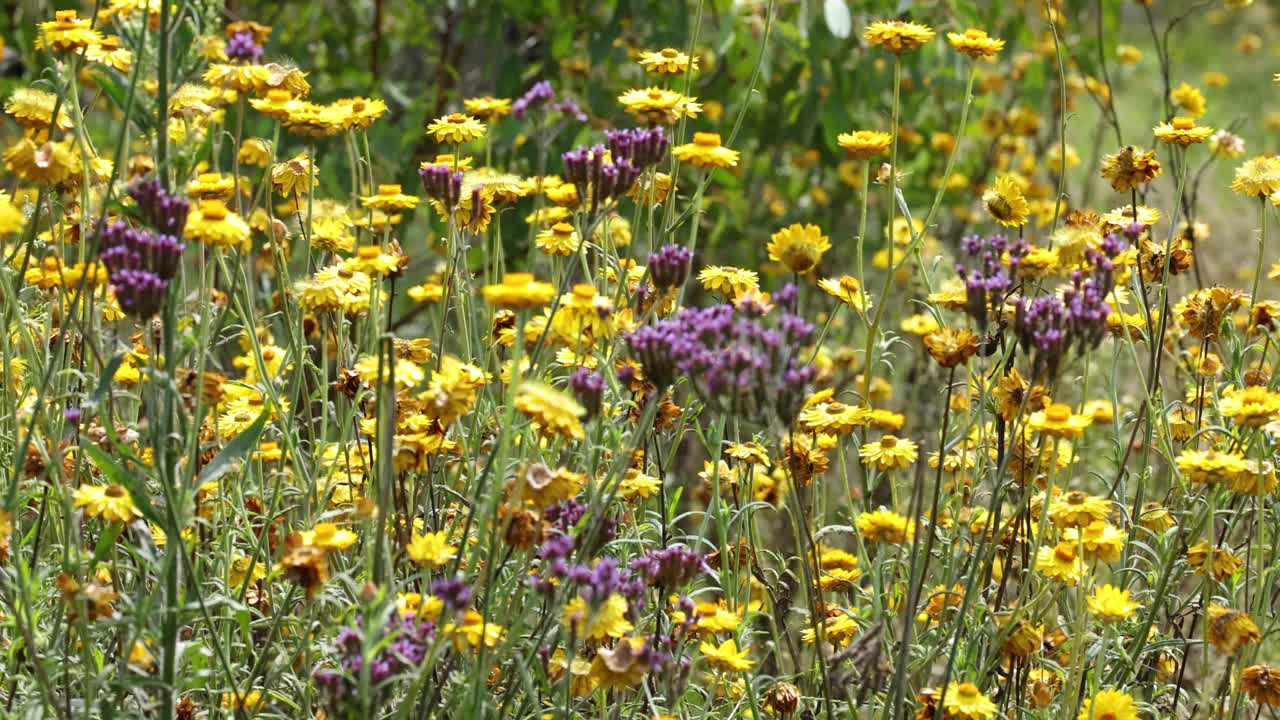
point(588, 387)
point(243, 48)
point(669, 266)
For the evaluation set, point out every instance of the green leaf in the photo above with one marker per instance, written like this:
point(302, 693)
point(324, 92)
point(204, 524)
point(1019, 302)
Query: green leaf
point(108, 375)
point(109, 535)
point(130, 481)
point(235, 450)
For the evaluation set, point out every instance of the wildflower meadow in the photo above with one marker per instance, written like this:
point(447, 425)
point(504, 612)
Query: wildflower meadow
point(640, 359)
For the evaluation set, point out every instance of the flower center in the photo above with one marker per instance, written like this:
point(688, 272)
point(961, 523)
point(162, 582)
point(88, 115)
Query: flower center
point(888, 442)
point(1183, 123)
point(115, 491)
point(1058, 412)
point(706, 139)
point(388, 189)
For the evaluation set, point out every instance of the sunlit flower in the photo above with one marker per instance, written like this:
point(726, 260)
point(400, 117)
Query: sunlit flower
point(667, 61)
point(706, 152)
point(799, 247)
point(976, 44)
point(1005, 202)
point(455, 129)
point(898, 36)
point(1111, 604)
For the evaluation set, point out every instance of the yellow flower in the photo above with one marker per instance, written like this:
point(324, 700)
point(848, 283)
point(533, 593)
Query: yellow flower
point(1111, 604)
point(332, 234)
point(1223, 565)
point(211, 186)
point(474, 631)
point(667, 61)
point(487, 108)
point(1057, 420)
point(34, 109)
point(1130, 168)
point(847, 290)
point(67, 31)
point(336, 288)
point(244, 568)
point(836, 630)
point(964, 701)
point(242, 702)
point(1258, 177)
point(728, 281)
point(372, 260)
point(389, 198)
point(1229, 630)
point(1108, 705)
point(1253, 406)
point(1061, 563)
point(799, 247)
point(659, 106)
point(919, 324)
point(213, 224)
point(1128, 55)
point(455, 129)
point(560, 239)
point(621, 666)
point(553, 413)
point(976, 44)
point(1100, 540)
point(889, 452)
point(107, 502)
point(47, 163)
point(359, 112)
point(1211, 466)
point(608, 620)
point(1005, 202)
point(329, 536)
point(1262, 684)
point(1182, 131)
point(863, 144)
point(12, 219)
point(833, 417)
point(431, 549)
point(950, 347)
point(519, 290)
point(296, 176)
point(1188, 99)
point(898, 36)
point(885, 526)
point(1079, 509)
point(727, 656)
point(109, 53)
point(706, 152)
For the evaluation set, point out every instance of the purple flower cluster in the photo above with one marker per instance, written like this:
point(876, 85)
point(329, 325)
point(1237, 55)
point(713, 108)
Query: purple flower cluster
point(740, 358)
point(454, 593)
point(643, 147)
point(541, 95)
point(442, 184)
point(410, 640)
point(1050, 326)
point(669, 266)
point(141, 262)
point(243, 48)
point(598, 179)
point(165, 213)
point(595, 582)
point(989, 283)
point(588, 387)
point(670, 567)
